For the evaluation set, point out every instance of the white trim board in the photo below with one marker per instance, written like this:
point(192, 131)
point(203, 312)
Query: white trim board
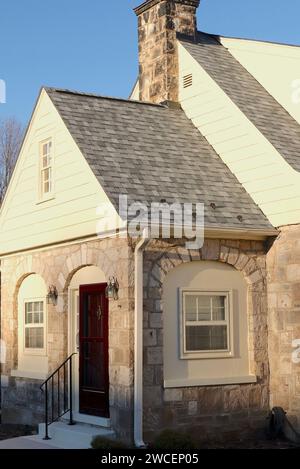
point(185, 383)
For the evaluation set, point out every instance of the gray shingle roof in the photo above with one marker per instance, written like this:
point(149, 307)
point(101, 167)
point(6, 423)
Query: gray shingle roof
point(269, 117)
point(153, 152)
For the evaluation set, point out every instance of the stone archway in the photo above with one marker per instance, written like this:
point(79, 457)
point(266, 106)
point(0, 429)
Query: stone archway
point(160, 259)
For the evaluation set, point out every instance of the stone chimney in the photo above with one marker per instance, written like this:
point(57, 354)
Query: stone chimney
point(159, 21)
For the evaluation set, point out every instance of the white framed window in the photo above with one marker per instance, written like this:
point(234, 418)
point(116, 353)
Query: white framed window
point(46, 169)
point(206, 324)
point(34, 326)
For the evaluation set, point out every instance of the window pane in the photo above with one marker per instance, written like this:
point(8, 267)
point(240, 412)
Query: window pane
point(218, 308)
point(204, 301)
point(204, 308)
point(36, 318)
point(206, 338)
point(46, 188)
point(218, 301)
point(47, 174)
point(219, 338)
point(28, 318)
point(219, 314)
point(34, 312)
point(190, 308)
point(34, 337)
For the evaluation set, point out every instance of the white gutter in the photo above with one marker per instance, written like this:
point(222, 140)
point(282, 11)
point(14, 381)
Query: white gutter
point(138, 340)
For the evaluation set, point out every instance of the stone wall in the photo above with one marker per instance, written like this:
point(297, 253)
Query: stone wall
point(22, 401)
point(209, 411)
point(158, 23)
point(283, 267)
point(57, 267)
point(215, 411)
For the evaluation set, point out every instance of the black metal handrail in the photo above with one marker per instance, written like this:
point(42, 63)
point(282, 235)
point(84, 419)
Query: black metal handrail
point(58, 389)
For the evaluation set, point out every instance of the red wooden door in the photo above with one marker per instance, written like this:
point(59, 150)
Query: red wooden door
point(93, 351)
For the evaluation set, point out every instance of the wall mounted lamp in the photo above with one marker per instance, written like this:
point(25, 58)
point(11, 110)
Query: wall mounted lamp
point(52, 295)
point(112, 289)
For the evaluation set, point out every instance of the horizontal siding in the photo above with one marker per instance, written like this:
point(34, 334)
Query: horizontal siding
point(267, 177)
point(25, 221)
point(261, 59)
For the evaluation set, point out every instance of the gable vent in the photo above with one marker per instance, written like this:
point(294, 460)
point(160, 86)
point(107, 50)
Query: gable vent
point(187, 80)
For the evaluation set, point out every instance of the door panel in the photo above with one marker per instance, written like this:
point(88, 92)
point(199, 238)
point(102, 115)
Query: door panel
point(93, 351)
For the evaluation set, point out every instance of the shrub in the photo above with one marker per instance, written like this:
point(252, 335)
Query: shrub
point(171, 440)
point(106, 444)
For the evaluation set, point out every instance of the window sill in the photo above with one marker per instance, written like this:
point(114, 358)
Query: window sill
point(29, 374)
point(186, 383)
point(46, 199)
point(205, 355)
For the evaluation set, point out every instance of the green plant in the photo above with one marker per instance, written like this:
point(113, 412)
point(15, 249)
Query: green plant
point(106, 444)
point(171, 440)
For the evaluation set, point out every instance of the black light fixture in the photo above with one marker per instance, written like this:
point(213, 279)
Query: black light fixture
point(52, 295)
point(112, 289)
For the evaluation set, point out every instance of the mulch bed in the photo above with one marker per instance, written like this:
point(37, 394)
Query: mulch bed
point(13, 431)
point(252, 444)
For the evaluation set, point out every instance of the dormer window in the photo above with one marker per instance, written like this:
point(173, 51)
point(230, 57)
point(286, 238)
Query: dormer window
point(46, 169)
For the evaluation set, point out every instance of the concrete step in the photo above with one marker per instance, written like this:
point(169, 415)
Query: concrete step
point(78, 436)
point(90, 419)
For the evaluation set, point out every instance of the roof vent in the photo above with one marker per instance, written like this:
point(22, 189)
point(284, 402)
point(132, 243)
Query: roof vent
point(187, 80)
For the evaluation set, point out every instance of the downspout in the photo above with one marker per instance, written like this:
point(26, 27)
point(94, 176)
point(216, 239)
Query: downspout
point(138, 339)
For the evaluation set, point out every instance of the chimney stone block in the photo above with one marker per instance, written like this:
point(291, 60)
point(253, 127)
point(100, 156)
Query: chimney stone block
point(159, 21)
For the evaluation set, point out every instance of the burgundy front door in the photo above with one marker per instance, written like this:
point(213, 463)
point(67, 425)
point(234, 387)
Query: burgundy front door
point(93, 351)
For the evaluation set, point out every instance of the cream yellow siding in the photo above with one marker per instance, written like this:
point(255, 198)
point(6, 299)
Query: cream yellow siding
point(135, 94)
point(275, 66)
point(25, 220)
point(201, 276)
point(264, 173)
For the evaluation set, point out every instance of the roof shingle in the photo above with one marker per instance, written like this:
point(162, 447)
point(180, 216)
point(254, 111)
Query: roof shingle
point(268, 116)
point(153, 152)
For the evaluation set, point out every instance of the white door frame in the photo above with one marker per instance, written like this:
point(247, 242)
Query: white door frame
point(73, 331)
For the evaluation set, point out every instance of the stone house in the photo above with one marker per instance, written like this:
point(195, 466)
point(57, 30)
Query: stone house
point(196, 339)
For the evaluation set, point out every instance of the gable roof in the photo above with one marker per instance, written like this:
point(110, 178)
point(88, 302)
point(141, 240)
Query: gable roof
point(269, 117)
point(152, 152)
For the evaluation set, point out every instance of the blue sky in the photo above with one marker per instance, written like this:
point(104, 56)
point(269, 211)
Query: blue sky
point(91, 45)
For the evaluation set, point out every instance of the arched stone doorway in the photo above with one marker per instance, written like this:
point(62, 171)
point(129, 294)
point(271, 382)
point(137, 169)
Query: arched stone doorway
point(88, 340)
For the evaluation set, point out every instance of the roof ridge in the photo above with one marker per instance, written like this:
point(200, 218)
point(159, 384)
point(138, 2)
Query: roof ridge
point(185, 38)
point(263, 41)
point(95, 95)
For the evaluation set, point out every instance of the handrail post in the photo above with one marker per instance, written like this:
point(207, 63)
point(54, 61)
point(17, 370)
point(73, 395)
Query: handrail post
point(46, 413)
point(71, 421)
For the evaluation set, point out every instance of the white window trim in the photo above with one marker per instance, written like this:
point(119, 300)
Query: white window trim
point(35, 351)
point(188, 383)
point(185, 355)
point(29, 374)
point(45, 197)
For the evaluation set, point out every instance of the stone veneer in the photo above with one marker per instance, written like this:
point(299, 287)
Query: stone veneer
point(158, 23)
point(21, 398)
point(215, 411)
point(283, 267)
point(210, 411)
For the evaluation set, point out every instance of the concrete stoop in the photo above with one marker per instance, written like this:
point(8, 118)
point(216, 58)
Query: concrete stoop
point(64, 436)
